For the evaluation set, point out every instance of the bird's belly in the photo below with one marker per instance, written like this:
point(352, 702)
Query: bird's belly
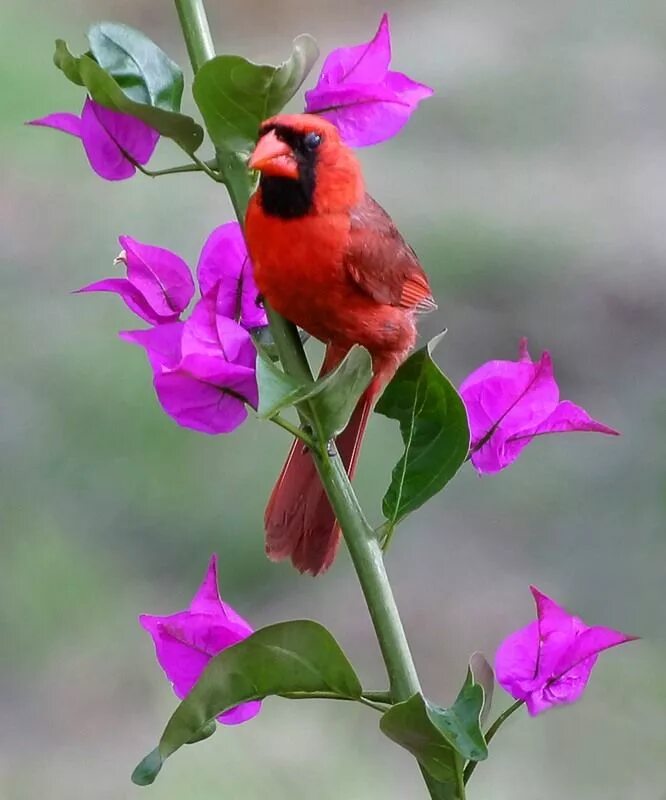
point(316, 306)
point(337, 312)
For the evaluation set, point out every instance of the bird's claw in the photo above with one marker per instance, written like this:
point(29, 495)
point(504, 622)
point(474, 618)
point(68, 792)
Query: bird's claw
point(330, 448)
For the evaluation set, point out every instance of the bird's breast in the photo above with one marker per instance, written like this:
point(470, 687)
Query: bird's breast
point(299, 266)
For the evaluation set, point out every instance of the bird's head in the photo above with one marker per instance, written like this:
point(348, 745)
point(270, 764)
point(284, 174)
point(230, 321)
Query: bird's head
point(305, 167)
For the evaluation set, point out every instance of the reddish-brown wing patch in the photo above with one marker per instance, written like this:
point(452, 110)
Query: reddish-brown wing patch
point(381, 262)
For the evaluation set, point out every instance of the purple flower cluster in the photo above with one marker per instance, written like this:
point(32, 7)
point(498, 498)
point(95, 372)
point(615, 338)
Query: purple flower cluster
point(203, 367)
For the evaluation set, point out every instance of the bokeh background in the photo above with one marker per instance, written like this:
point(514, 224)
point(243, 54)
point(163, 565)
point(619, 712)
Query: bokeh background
point(533, 186)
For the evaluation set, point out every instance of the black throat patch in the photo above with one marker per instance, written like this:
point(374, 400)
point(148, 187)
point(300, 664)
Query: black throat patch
point(288, 197)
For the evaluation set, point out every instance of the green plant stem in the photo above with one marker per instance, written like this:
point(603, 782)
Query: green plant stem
point(492, 730)
point(299, 433)
point(361, 541)
point(289, 347)
point(490, 733)
point(196, 32)
point(363, 546)
point(157, 173)
point(379, 697)
point(197, 165)
point(204, 167)
point(367, 558)
point(236, 177)
point(366, 555)
point(377, 706)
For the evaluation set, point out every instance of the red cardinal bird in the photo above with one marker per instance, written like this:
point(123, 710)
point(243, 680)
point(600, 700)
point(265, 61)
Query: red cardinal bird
point(327, 257)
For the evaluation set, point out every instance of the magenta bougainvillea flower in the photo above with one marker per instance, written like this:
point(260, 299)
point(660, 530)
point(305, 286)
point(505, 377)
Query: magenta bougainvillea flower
point(158, 286)
point(186, 641)
point(510, 402)
point(224, 272)
point(113, 142)
point(359, 94)
point(203, 369)
point(548, 663)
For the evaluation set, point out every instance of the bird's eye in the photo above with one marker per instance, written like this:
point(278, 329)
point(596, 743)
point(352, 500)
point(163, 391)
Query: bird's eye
point(312, 141)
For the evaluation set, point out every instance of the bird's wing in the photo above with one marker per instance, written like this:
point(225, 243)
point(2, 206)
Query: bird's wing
point(381, 263)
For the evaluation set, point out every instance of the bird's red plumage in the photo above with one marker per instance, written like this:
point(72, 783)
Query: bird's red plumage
point(342, 272)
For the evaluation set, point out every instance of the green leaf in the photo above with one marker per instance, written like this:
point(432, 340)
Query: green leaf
point(434, 429)
point(329, 401)
point(461, 722)
point(409, 725)
point(334, 397)
point(277, 390)
point(440, 738)
point(204, 732)
point(147, 770)
point(481, 673)
point(289, 76)
point(142, 70)
point(235, 96)
point(297, 656)
point(66, 62)
point(103, 88)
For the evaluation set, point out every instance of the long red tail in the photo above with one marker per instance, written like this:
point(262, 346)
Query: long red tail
point(299, 520)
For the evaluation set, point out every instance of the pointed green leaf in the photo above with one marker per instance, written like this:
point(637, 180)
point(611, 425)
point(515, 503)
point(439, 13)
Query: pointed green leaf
point(409, 725)
point(235, 96)
point(103, 88)
point(434, 429)
point(461, 722)
point(142, 70)
point(299, 656)
point(334, 397)
point(481, 673)
point(277, 390)
point(289, 76)
point(442, 739)
point(331, 400)
point(66, 62)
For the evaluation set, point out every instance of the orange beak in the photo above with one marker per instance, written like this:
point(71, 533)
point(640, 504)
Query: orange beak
point(273, 157)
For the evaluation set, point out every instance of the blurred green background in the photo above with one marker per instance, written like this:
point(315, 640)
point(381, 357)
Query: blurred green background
point(533, 188)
